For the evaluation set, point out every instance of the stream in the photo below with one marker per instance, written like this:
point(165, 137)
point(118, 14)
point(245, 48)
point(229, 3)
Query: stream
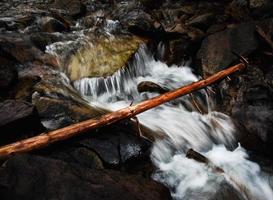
point(180, 126)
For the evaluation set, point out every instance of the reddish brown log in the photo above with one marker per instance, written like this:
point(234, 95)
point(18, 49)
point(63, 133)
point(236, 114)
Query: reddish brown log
point(48, 138)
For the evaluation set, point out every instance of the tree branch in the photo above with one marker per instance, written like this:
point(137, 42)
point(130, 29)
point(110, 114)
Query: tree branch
point(48, 138)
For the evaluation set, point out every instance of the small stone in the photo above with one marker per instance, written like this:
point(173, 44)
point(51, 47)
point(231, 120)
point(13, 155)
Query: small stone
point(148, 86)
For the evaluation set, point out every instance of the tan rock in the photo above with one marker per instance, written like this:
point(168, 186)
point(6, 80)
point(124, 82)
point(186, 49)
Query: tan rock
point(102, 57)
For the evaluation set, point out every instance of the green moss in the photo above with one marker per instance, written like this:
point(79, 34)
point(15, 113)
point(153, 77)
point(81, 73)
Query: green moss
point(102, 57)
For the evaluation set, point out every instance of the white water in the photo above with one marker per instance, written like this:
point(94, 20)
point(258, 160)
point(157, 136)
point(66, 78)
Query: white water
point(210, 134)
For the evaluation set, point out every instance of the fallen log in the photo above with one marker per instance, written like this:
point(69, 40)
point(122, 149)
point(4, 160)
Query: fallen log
point(48, 138)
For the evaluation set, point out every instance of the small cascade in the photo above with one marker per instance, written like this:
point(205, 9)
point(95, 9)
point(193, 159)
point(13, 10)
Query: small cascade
point(183, 127)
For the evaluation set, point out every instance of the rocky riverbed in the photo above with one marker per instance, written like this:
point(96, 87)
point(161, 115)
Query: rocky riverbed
point(46, 46)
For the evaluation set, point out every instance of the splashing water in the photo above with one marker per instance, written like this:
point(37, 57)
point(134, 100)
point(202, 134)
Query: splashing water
point(183, 128)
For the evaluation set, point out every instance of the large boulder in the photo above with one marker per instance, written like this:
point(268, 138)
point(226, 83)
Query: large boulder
point(51, 179)
point(216, 50)
point(248, 96)
point(252, 111)
point(102, 57)
point(18, 119)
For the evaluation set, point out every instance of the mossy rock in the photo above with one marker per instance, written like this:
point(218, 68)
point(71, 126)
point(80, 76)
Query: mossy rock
point(102, 57)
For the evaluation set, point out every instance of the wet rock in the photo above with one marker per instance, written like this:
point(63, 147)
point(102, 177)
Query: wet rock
point(258, 3)
point(15, 24)
point(57, 101)
point(52, 25)
point(41, 40)
point(18, 119)
point(132, 147)
point(52, 179)
point(74, 8)
point(8, 77)
point(19, 47)
point(202, 21)
point(117, 144)
point(180, 50)
point(106, 146)
point(135, 20)
point(25, 88)
point(181, 30)
point(77, 155)
point(151, 4)
point(56, 113)
point(252, 112)
point(102, 57)
point(263, 12)
point(215, 53)
point(267, 26)
point(67, 22)
point(148, 86)
point(239, 10)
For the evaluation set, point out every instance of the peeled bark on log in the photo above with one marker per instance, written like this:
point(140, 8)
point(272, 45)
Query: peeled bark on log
point(48, 138)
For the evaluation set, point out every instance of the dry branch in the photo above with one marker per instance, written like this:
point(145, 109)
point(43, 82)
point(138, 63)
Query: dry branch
point(48, 138)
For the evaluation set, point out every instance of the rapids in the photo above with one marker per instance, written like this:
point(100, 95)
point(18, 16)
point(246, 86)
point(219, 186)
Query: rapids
point(213, 134)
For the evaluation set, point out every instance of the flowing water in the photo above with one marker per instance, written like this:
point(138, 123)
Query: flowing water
point(183, 127)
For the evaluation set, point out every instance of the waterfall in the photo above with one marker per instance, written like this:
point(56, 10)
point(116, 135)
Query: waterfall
point(183, 127)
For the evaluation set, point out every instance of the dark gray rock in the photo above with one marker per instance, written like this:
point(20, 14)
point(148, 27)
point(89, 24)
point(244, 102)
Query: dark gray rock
point(54, 179)
point(8, 76)
point(263, 12)
point(202, 21)
point(52, 25)
point(74, 154)
point(252, 111)
point(8, 72)
point(41, 40)
point(216, 50)
point(19, 47)
point(18, 119)
point(117, 144)
point(74, 8)
point(258, 3)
